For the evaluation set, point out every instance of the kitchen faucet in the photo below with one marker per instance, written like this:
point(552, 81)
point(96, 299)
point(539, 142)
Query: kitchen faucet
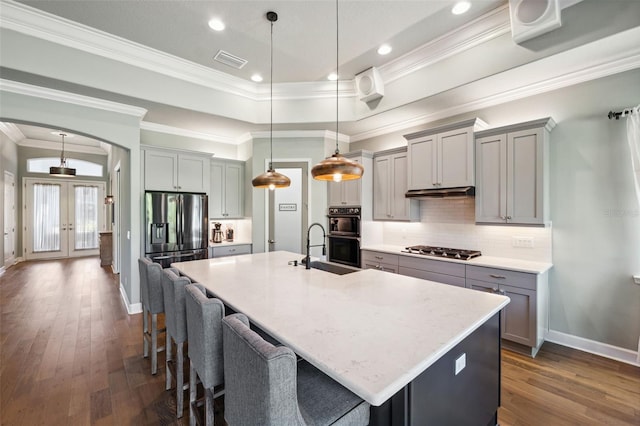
point(307, 260)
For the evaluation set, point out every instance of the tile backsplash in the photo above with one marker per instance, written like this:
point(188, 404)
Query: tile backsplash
point(451, 223)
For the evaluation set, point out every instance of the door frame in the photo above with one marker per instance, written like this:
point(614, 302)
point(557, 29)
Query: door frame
point(116, 219)
point(10, 218)
point(291, 163)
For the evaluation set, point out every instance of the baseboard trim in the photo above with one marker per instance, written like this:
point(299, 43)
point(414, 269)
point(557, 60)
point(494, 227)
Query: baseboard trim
point(597, 348)
point(2, 269)
point(132, 309)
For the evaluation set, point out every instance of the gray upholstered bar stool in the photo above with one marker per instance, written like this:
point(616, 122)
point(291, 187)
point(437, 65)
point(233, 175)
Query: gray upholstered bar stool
point(264, 385)
point(152, 304)
point(204, 330)
point(175, 314)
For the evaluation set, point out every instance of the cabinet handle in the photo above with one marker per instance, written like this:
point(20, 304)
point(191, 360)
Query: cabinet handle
point(379, 267)
point(503, 217)
point(379, 257)
point(508, 217)
point(232, 250)
point(500, 277)
point(502, 292)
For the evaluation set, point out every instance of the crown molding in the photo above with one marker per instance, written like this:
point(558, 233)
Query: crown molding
point(294, 134)
point(12, 132)
point(161, 128)
point(57, 146)
point(70, 98)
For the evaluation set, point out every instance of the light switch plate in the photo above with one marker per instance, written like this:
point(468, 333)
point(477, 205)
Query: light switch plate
point(461, 363)
point(523, 242)
point(636, 279)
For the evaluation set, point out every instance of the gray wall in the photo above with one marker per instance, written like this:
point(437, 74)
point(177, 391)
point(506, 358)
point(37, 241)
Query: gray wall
point(9, 163)
point(596, 218)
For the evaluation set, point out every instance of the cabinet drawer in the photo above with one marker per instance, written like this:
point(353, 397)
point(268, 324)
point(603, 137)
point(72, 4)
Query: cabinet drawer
point(437, 266)
point(432, 276)
point(231, 250)
point(380, 266)
point(379, 257)
point(502, 277)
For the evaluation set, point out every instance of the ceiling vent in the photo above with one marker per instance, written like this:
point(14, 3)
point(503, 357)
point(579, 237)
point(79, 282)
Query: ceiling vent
point(230, 60)
point(532, 18)
point(369, 85)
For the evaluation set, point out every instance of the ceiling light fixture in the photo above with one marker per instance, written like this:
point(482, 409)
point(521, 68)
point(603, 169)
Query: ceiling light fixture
point(216, 24)
point(461, 7)
point(257, 78)
point(271, 179)
point(332, 77)
point(63, 170)
point(337, 168)
point(385, 49)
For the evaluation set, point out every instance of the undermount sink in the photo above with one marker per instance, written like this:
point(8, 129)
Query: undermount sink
point(333, 268)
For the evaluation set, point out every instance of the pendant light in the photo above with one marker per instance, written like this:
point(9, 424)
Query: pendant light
point(337, 168)
point(63, 170)
point(271, 179)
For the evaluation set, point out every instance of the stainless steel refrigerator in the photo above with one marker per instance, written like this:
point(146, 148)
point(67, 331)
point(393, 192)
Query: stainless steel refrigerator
point(175, 227)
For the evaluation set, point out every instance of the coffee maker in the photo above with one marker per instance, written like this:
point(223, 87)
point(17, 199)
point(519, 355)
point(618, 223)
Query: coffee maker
point(217, 233)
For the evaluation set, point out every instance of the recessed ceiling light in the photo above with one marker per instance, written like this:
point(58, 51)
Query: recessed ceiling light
point(216, 24)
point(461, 7)
point(384, 49)
point(257, 78)
point(332, 77)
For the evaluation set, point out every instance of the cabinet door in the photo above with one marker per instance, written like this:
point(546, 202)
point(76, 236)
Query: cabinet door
point(525, 177)
point(381, 189)
point(422, 171)
point(519, 316)
point(491, 174)
point(193, 173)
point(234, 191)
point(352, 192)
point(334, 194)
point(400, 206)
point(216, 194)
point(455, 152)
point(160, 171)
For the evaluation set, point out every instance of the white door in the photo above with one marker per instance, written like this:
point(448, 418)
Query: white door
point(63, 219)
point(288, 210)
point(9, 219)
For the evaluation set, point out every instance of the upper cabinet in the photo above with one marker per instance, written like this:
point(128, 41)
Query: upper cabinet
point(512, 173)
point(226, 200)
point(390, 186)
point(442, 157)
point(166, 170)
point(356, 192)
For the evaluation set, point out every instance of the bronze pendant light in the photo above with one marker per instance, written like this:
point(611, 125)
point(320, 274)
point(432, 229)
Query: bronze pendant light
point(271, 179)
point(63, 170)
point(337, 168)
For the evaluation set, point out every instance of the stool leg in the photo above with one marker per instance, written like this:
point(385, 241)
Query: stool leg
point(168, 350)
point(154, 343)
point(179, 379)
point(145, 330)
point(208, 402)
point(193, 387)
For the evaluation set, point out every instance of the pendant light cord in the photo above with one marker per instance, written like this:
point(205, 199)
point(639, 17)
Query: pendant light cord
point(337, 77)
point(271, 103)
point(62, 159)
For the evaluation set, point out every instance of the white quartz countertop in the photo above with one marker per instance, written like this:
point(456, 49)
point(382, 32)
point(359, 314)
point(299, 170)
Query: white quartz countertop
point(488, 261)
point(371, 331)
point(229, 243)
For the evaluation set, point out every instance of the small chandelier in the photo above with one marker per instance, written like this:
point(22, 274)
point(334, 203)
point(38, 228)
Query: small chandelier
point(337, 168)
point(63, 170)
point(271, 179)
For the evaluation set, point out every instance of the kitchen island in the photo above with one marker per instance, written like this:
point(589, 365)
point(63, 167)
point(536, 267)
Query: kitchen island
point(395, 341)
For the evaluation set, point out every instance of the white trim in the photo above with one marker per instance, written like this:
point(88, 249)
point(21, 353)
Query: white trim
point(12, 131)
point(70, 98)
point(57, 146)
point(161, 128)
point(135, 308)
point(591, 346)
point(2, 270)
point(294, 134)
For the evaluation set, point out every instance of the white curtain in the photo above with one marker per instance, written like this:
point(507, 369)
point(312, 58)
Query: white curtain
point(633, 137)
point(46, 217)
point(86, 209)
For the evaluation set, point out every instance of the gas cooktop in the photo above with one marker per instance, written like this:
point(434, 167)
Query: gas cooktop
point(442, 252)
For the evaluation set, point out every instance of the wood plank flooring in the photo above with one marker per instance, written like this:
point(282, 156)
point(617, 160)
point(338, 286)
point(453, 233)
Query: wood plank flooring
point(71, 355)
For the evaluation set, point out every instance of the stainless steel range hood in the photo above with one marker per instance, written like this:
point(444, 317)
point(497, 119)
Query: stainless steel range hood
point(458, 192)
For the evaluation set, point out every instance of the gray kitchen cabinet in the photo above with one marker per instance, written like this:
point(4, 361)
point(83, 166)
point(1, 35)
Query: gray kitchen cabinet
point(379, 260)
point(166, 170)
point(442, 157)
point(525, 318)
point(432, 270)
point(226, 200)
point(229, 250)
point(356, 192)
point(390, 186)
point(512, 174)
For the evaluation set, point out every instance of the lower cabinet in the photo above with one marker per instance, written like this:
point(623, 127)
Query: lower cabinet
point(525, 318)
point(228, 250)
point(433, 270)
point(379, 260)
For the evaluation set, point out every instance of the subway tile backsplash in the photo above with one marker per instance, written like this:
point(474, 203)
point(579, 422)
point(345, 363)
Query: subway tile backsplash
point(451, 223)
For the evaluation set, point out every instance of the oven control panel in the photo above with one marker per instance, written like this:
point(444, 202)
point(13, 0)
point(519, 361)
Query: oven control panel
point(340, 211)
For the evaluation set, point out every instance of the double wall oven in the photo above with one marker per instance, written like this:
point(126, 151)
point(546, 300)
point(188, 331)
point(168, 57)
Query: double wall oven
point(344, 235)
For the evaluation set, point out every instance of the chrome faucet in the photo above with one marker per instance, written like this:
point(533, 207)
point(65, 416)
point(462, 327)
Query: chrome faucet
point(307, 260)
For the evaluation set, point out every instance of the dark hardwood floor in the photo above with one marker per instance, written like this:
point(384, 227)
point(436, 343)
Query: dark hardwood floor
point(70, 355)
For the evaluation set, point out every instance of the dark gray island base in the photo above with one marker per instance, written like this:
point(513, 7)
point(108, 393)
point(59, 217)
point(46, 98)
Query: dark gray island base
point(439, 397)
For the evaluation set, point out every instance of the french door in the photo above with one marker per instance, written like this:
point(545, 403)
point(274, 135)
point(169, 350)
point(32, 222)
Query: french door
point(62, 218)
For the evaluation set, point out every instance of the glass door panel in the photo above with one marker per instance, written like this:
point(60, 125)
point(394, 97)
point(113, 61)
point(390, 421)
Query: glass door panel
point(85, 224)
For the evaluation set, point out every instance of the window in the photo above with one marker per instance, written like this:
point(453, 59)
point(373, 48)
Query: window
point(83, 168)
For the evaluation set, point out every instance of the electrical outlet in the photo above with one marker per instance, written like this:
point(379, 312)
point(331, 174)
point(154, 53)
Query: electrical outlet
point(461, 363)
point(636, 279)
point(522, 242)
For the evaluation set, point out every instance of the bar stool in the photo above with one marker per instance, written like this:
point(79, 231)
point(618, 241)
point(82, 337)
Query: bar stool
point(152, 304)
point(266, 386)
point(204, 331)
point(175, 314)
